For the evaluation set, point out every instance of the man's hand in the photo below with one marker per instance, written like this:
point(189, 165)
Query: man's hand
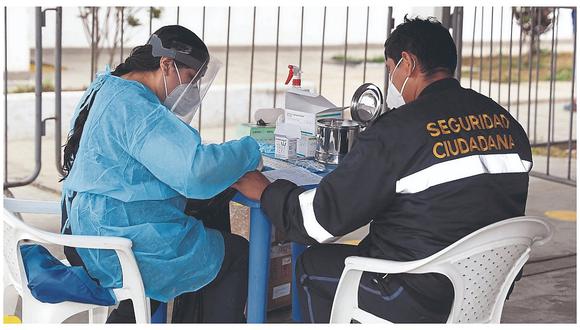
point(252, 185)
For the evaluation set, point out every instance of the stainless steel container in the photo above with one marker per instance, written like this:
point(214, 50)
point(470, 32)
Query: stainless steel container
point(334, 139)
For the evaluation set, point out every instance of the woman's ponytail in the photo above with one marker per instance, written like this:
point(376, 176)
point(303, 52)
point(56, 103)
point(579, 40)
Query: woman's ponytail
point(140, 59)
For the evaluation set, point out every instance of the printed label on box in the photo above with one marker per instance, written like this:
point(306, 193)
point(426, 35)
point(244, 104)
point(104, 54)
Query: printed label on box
point(286, 260)
point(280, 250)
point(281, 291)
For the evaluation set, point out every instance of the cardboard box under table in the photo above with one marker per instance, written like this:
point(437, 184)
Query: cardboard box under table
point(280, 284)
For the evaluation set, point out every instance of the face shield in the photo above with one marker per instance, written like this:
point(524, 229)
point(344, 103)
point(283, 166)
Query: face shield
point(186, 98)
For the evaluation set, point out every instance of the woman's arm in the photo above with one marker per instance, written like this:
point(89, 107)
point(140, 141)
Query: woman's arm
point(173, 152)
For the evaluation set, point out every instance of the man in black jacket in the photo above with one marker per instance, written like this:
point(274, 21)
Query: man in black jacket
point(445, 162)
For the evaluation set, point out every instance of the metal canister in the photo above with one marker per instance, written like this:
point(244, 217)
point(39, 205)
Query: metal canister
point(334, 139)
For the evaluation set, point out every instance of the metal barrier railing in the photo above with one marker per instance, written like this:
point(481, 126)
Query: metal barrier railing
point(38, 102)
point(543, 24)
point(39, 123)
point(5, 95)
point(527, 108)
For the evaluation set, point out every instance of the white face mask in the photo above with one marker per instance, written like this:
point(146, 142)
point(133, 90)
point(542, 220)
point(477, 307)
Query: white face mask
point(183, 102)
point(394, 97)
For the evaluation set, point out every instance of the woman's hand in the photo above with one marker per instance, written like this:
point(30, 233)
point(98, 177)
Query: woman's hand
point(252, 185)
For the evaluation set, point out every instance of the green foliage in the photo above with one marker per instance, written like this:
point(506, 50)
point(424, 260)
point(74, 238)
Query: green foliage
point(358, 60)
point(133, 21)
point(156, 12)
point(563, 64)
point(564, 74)
point(47, 86)
point(107, 38)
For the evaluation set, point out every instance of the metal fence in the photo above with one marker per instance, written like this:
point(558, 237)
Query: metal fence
point(533, 85)
point(39, 122)
point(520, 94)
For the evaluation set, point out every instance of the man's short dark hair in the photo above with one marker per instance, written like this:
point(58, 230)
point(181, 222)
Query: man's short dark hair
point(428, 40)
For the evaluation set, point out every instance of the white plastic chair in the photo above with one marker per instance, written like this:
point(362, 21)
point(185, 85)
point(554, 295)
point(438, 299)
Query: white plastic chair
point(481, 267)
point(16, 233)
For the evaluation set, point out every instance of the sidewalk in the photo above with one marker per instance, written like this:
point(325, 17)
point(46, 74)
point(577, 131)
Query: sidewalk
point(547, 291)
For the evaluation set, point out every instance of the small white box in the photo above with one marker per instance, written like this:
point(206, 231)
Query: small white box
point(286, 141)
point(306, 146)
point(285, 148)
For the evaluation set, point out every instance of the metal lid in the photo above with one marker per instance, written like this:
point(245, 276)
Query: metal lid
point(336, 123)
point(366, 103)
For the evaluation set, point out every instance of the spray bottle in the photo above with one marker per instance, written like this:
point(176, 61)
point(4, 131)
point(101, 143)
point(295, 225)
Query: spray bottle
point(302, 108)
point(294, 73)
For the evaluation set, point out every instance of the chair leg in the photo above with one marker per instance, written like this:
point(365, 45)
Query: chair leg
point(10, 300)
point(142, 308)
point(98, 315)
point(346, 296)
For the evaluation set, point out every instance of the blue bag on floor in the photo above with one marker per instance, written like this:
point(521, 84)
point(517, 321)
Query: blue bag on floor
point(50, 281)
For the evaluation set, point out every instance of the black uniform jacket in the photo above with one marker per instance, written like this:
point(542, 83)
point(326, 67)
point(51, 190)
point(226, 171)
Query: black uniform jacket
point(423, 175)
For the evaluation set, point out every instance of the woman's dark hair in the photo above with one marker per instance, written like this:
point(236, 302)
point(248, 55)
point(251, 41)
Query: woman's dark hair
point(139, 60)
point(428, 40)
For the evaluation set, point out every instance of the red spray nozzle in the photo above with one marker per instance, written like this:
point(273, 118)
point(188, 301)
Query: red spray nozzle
point(290, 74)
point(294, 75)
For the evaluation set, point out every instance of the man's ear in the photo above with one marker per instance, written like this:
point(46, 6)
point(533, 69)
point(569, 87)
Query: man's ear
point(410, 63)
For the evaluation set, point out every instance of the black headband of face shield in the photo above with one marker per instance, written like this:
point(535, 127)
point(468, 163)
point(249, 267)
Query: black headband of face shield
point(158, 50)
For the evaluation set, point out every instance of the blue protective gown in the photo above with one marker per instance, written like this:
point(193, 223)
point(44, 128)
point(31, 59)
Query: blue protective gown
point(135, 166)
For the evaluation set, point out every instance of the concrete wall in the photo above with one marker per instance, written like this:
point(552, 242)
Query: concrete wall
point(21, 108)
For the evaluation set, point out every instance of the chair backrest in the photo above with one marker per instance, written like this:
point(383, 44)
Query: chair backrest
point(13, 228)
point(483, 265)
point(16, 231)
point(11, 269)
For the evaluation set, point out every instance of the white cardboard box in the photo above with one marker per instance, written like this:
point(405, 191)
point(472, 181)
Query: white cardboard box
point(306, 146)
point(286, 140)
point(307, 121)
point(285, 148)
point(303, 109)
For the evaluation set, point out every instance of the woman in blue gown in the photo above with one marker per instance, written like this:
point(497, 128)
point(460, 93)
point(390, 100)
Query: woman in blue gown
point(132, 162)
